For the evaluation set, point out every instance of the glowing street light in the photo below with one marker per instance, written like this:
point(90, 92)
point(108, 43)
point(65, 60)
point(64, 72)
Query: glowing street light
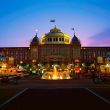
point(21, 62)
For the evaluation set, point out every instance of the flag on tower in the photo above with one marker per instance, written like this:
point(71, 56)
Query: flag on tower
point(72, 28)
point(53, 20)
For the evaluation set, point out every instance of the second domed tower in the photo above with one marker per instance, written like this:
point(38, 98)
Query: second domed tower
point(75, 41)
point(34, 48)
point(76, 48)
point(35, 41)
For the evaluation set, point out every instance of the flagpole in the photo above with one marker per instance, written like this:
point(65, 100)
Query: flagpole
point(53, 21)
point(73, 31)
point(36, 31)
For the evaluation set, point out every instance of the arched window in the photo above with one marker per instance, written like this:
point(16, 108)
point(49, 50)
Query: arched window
point(50, 39)
point(62, 39)
point(53, 39)
point(59, 39)
point(56, 39)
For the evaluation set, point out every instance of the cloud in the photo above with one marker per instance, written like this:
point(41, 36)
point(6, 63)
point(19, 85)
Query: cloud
point(101, 39)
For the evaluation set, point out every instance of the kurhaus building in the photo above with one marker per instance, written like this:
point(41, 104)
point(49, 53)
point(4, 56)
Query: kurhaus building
point(54, 47)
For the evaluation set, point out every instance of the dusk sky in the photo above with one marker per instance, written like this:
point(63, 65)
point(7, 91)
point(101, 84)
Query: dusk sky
point(20, 18)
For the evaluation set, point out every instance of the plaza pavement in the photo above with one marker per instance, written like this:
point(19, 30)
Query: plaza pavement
point(55, 99)
point(68, 94)
point(32, 82)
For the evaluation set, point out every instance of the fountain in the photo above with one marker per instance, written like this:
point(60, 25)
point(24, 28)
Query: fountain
point(55, 75)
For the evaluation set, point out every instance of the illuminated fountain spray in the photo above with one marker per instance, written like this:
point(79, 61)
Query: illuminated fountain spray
point(55, 75)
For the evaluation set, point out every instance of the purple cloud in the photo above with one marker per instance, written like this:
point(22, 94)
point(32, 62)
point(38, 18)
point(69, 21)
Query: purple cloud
point(101, 39)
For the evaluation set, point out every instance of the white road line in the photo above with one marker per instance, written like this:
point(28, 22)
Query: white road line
point(97, 95)
point(9, 100)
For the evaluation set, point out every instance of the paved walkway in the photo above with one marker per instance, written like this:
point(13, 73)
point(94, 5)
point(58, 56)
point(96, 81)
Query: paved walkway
point(47, 94)
point(49, 99)
point(32, 82)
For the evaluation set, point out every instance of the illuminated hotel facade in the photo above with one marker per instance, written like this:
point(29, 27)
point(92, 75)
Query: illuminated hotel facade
point(55, 47)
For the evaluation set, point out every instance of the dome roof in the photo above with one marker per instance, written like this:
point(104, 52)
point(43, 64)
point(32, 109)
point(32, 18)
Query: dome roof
point(35, 39)
point(55, 36)
point(55, 29)
point(55, 32)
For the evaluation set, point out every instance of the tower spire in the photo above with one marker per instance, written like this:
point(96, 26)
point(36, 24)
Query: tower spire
point(36, 31)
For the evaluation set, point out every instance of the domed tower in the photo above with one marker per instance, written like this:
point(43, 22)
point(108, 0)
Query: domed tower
point(35, 41)
point(75, 41)
point(34, 48)
point(76, 48)
point(55, 36)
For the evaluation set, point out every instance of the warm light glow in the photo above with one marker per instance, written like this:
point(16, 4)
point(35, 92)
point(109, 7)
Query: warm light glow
point(21, 62)
point(4, 66)
point(49, 77)
point(55, 75)
point(33, 60)
point(107, 65)
point(61, 77)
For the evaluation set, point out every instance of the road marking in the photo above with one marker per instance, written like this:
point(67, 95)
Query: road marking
point(9, 100)
point(97, 95)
